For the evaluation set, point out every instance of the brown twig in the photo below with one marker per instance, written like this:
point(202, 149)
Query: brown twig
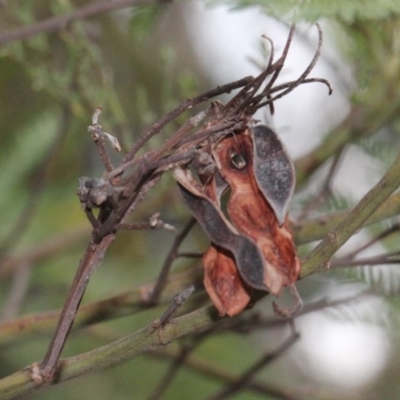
point(97, 133)
point(178, 300)
point(185, 105)
point(130, 303)
point(121, 305)
point(290, 86)
point(93, 257)
point(172, 255)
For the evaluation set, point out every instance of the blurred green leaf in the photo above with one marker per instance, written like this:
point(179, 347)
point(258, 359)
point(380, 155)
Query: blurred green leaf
point(143, 20)
point(312, 10)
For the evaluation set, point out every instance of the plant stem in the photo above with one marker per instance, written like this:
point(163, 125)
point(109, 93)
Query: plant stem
point(123, 349)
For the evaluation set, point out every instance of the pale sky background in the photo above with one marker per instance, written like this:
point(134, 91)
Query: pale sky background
point(338, 351)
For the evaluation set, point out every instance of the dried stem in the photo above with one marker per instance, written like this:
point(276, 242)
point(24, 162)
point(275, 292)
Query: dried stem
point(93, 257)
point(172, 255)
point(185, 105)
point(178, 300)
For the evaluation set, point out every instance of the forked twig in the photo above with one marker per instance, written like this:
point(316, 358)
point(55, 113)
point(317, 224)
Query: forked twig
point(178, 300)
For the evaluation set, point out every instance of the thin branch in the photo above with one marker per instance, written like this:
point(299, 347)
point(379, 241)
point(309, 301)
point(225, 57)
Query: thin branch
point(177, 302)
point(319, 257)
point(154, 223)
point(124, 304)
point(211, 371)
point(60, 22)
point(317, 228)
point(151, 159)
point(132, 302)
point(309, 68)
point(325, 190)
point(98, 136)
point(362, 121)
point(93, 257)
point(248, 375)
point(387, 232)
point(172, 371)
point(182, 107)
point(17, 292)
point(388, 258)
point(172, 255)
point(50, 247)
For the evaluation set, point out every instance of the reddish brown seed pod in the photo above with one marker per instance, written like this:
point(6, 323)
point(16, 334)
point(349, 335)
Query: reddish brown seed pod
point(249, 207)
point(255, 248)
point(223, 283)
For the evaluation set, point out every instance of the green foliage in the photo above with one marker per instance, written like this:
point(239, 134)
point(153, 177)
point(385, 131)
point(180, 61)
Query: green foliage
point(144, 19)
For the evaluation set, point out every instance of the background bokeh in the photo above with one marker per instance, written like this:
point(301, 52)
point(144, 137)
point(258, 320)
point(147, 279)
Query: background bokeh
point(138, 63)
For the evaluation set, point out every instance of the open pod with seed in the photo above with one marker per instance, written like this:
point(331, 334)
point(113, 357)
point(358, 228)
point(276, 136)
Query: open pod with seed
point(254, 248)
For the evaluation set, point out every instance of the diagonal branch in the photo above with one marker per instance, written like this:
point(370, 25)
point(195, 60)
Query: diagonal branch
point(60, 22)
point(317, 228)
